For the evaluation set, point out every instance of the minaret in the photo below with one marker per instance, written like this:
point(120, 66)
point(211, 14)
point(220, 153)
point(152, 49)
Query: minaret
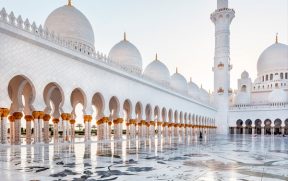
point(222, 18)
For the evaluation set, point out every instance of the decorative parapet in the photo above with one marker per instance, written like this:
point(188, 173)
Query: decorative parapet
point(224, 9)
point(259, 107)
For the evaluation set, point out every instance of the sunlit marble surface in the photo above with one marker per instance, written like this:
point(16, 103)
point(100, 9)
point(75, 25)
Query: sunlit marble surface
point(220, 158)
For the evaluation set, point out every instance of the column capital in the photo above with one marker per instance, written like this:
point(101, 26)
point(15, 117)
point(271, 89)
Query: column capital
point(118, 121)
point(66, 116)
point(132, 121)
point(87, 118)
point(28, 118)
point(4, 112)
point(55, 120)
point(72, 121)
point(18, 115)
point(46, 117)
point(11, 118)
point(35, 114)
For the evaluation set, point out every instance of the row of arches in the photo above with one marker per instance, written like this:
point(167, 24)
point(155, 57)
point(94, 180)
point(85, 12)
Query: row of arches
point(267, 126)
point(22, 94)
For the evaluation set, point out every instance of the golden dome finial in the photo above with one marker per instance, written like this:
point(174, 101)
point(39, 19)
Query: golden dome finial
point(69, 2)
point(277, 38)
point(125, 36)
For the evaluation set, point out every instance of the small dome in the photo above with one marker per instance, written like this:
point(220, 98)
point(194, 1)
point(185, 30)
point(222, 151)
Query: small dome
point(70, 24)
point(245, 75)
point(278, 96)
point(179, 83)
point(274, 58)
point(127, 55)
point(204, 95)
point(193, 90)
point(242, 98)
point(158, 72)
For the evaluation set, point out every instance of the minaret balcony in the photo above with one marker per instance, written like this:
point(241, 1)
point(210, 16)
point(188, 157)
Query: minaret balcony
point(220, 91)
point(220, 65)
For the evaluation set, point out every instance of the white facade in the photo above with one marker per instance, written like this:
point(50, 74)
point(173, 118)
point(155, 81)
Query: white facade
point(50, 69)
point(51, 72)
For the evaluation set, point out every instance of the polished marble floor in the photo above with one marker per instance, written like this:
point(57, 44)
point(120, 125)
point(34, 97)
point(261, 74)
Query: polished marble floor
point(232, 158)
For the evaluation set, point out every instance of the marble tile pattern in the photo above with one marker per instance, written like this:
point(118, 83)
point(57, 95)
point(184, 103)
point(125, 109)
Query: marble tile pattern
point(231, 158)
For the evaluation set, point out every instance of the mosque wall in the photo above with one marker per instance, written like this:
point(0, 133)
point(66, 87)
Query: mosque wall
point(42, 62)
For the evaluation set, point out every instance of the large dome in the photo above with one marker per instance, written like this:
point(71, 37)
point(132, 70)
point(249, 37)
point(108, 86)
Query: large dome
point(179, 83)
point(158, 72)
point(69, 23)
point(274, 58)
point(127, 55)
point(278, 96)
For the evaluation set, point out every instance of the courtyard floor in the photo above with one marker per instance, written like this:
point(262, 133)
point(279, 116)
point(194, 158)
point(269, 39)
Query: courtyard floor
point(232, 158)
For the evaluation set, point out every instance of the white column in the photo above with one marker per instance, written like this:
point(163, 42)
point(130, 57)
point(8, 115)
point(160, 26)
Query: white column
point(86, 130)
point(28, 119)
point(159, 128)
point(17, 125)
point(55, 130)
point(87, 122)
point(72, 130)
point(262, 128)
point(46, 135)
point(89, 129)
point(12, 129)
point(40, 129)
point(4, 113)
point(65, 118)
point(282, 128)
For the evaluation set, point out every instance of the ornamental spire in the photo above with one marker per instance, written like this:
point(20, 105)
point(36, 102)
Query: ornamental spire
point(125, 37)
point(177, 70)
point(69, 2)
point(277, 38)
point(156, 58)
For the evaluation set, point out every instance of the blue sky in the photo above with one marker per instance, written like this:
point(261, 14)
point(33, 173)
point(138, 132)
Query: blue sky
point(180, 31)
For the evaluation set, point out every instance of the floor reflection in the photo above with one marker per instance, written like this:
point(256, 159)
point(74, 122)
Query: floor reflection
point(220, 158)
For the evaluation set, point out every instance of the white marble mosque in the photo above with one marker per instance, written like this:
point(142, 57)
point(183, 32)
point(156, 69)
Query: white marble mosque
point(148, 124)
